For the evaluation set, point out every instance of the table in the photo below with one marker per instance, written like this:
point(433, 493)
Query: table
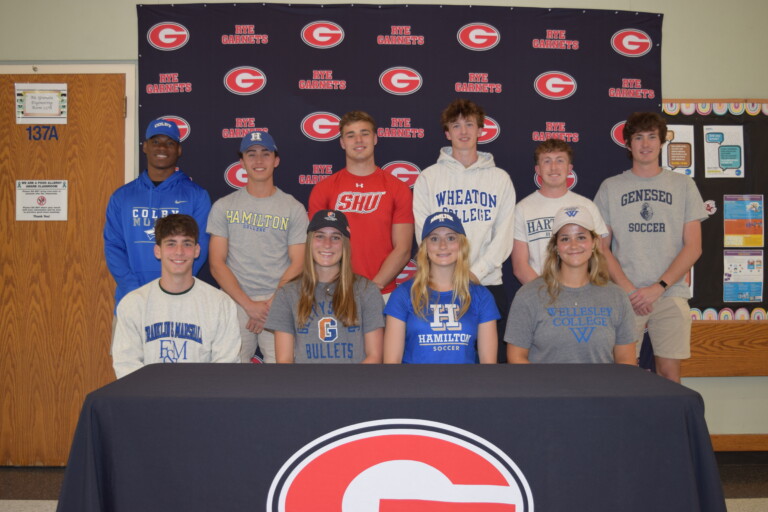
point(229, 437)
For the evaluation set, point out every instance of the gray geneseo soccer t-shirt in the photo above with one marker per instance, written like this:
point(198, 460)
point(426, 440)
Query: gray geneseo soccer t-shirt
point(647, 216)
point(582, 326)
point(324, 339)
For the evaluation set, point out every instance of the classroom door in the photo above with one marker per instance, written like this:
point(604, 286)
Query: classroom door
point(56, 295)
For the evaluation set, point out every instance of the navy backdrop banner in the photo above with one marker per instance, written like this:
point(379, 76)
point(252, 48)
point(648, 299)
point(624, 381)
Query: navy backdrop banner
point(221, 71)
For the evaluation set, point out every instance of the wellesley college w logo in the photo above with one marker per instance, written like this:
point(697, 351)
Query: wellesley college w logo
point(582, 334)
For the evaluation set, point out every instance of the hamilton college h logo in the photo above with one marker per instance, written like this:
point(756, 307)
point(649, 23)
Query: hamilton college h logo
point(403, 465)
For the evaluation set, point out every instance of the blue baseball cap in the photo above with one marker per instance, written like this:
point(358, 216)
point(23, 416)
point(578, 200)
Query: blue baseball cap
point(442, 220)
point(163, 127)
point(258, 138)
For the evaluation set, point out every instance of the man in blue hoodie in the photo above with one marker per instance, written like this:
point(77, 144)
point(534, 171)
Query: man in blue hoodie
point(160, 190)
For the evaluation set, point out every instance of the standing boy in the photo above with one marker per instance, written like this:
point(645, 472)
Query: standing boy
point(129, 232)
point(654, 224)
point(377, 205)
point(467, 182)
point(534, 214)
point(257, 242)
point(176, 318)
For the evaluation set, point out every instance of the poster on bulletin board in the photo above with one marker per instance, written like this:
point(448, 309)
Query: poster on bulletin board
point(724, 140)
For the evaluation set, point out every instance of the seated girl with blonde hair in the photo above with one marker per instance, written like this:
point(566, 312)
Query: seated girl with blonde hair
point(442, 315)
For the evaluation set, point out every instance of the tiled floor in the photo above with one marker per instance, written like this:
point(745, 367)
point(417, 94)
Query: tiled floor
point(744, 476)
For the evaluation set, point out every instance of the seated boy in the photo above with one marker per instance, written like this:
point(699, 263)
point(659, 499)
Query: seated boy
point(176, 318)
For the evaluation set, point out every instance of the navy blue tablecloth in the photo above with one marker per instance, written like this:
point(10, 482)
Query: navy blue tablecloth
point(202, 437)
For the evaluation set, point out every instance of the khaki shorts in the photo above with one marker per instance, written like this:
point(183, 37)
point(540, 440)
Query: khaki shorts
point(669, 327)
point(265, 340)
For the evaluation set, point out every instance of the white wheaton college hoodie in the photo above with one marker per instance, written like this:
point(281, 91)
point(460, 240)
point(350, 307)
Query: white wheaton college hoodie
point(483, 197)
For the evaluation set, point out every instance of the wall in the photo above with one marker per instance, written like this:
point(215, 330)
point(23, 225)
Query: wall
point(711, 49)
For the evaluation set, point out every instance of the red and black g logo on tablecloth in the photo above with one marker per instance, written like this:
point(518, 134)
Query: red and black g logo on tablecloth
point(400, 465)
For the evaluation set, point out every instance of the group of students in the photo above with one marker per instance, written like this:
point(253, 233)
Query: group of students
point(320, 287)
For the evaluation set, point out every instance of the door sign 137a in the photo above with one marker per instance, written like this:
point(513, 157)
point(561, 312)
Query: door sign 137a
point(41, 132)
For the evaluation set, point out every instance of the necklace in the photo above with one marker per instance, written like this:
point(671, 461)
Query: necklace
point(575, 295)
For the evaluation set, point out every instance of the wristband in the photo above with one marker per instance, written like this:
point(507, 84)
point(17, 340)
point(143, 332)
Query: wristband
point(663, 284)
point(632, 292)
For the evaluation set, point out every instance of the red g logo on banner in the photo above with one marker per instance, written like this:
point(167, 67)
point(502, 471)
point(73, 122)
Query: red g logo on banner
point(400, 465)
point(490, 132)
point(245, 80)
point(570, 180)
point(321, 126)
point(235, 176)
point(617, 134)
point(400, 81)
point(631, 42)
point(478, 36)
point(184, 129)
point(555, 85)
point(406, 172)
point(322, 34)
point(408, 272)
point(167, 36)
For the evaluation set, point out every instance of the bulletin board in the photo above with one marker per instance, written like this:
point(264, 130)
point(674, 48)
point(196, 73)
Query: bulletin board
point(721, 145)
